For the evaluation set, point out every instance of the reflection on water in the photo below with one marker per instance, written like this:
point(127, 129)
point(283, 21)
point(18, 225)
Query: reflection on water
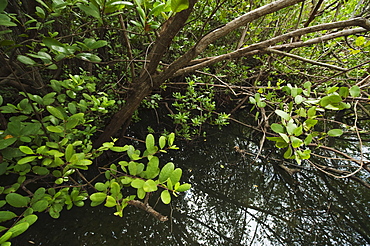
point(235, 200)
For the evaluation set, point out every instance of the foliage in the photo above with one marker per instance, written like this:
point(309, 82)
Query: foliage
point(49, 138)
point(194, 108)
point(298, 111)
point(300, 68)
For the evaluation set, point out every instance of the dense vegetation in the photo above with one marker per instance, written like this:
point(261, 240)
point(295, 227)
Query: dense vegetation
point(70, 67)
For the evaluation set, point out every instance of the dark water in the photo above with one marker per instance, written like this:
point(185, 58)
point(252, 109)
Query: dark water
point(235, 200)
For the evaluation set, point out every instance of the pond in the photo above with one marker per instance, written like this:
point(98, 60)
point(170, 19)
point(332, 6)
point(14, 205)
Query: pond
point(235, 199)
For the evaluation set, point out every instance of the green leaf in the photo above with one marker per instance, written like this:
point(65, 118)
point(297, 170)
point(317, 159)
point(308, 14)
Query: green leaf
point(137, 183)
point(56, 129)
point(298, 131)
point(171, 138)
point(166, 197)
point(55, 112)
point(27, 150)
point(296, 142)
point(355, 91)
point(30, 219)
point(290, 127)
point(98, 197)
point(5, 237)
point(308, 139)
point(6, 215)
point(299, 99)
point(98, 44)
point(179, 5)
point(343, 92)
point(25, 60)
point(119, 149)
point(183, 187)
point(6, 21)
point(176, 175)
point(72, 123)
point(115, 189)
point(282, 114)
point(278, 128)
point(19, 229)
point(90, 10)
point(54, 44)
point(3, 4)
point(335, 132)
point(288, 153)
point(88, 57)
point(162, 141)
point(69, 152)
point(331, 99)
point(100, 186)
point(166, 172)
point(152, 169)
point(26, 159)
point(17, 200)
point(40, 170)
point(40, 206)
point(7, 142)
point(285, 137)
point(111, 202)
point(132, 168)
point(149, 143)
point(141, 193)
point(150, 186)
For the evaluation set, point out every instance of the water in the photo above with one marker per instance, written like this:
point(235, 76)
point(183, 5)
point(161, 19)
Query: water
point(235, 199)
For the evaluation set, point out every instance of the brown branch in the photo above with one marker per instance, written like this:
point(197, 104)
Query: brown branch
point(148, 209)
point(128, 44)
point(184, 60)
point(258, 47)
point(305, 59)
point(359, 162)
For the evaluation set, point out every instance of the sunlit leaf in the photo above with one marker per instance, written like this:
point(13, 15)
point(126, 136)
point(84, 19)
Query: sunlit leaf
point(166, 197)
point(183, 187)
point(166, 172)
point(335, 132)
point(98, 197)
point(137, 183)
point(6, 215)
point(110, 202)
point(55, 112)
point(355, 91)
point(282, 114)
point(19, 229)
point(25, 60)
point(17, 200)
point(26, 159)
point(150, 186)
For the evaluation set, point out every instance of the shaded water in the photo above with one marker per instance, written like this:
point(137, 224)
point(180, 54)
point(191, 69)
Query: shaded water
point(234, 200)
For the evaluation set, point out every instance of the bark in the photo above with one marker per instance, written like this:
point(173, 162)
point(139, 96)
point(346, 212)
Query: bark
point(148, 209)
point(150, 79)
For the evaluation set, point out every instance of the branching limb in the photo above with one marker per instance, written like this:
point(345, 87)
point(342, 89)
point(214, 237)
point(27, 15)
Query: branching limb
point(305, 59)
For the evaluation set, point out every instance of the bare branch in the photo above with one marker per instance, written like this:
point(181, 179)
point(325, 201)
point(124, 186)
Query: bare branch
point(305, 59)
point(258, 47)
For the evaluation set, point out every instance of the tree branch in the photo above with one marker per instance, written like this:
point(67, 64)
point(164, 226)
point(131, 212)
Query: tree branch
point(305, 59)
point(258, 47)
